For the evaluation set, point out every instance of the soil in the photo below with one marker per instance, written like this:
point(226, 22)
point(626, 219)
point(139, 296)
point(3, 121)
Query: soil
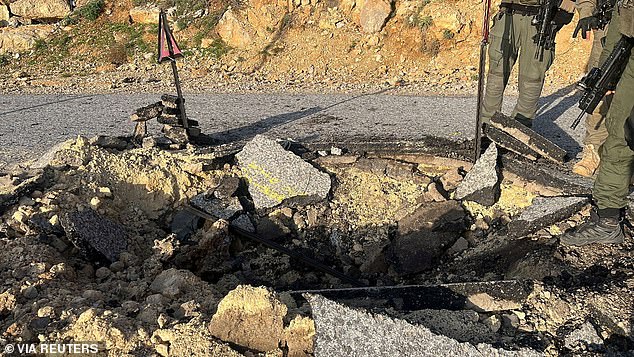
point(196, 293)
point(321, 49)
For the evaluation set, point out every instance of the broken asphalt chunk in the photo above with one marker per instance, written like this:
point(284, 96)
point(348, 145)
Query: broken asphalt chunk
point(482, 182)
point(170, 101)
point(488, 296)
point(274, 174)
point(222, 209)
point(341, 330)
point(148, 112)
point(544, 212)
point(184, 224)
point(530, 138)
point(10, 194)
point(95, 235)
point(567, 183)
point(510, 143)
point(425, 235)
point(178, 135)
point(175, 120)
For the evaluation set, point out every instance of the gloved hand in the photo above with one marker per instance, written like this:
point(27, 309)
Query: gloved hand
point(562, 18)
point(585, 25)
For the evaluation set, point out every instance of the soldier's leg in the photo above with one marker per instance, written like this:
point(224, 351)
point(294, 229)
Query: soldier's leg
point(502, 56)
point(596, 132)
point(597, 47)
point(532, 71)
point(612, 183)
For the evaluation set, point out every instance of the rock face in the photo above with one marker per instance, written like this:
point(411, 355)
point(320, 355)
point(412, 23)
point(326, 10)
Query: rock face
point(22, 38)
point(251, 317)
point(543, 213)
point(95, 234)
point(145, 14)
point(257, 23)
point(274, 174)
point(340, 330)
point(425, 235)
point(482, 183)
point(41, 9)
point(4, 13)
point(373, 15)
point(234, 31)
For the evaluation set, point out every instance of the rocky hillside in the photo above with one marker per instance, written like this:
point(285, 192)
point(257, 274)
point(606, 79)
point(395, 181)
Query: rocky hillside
point(327, 43)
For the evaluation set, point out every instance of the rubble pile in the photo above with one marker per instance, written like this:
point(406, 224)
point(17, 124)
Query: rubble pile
point(145, 250)
point(168, 113)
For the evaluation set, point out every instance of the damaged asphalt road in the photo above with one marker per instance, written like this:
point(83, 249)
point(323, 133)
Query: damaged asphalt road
point(31, 124)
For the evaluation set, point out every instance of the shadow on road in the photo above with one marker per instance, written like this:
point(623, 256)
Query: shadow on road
point(45, 104)
point(246, 132)
point(551, 108)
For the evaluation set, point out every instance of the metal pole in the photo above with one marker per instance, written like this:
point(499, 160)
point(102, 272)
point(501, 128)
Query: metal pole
point(481, 69)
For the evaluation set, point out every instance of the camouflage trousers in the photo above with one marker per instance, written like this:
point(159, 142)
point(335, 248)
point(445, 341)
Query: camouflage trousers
point(511, 42)
point(617, 159)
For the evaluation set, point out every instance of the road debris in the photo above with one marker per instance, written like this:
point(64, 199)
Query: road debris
point(482, 182)
point(146, 242)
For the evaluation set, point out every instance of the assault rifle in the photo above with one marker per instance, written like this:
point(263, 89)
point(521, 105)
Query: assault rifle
point(546, 27)
point(602, 79)
point(603, 13)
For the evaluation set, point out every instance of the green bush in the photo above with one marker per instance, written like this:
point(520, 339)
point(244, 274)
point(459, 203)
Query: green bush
point(91, 10)
point(217, 49)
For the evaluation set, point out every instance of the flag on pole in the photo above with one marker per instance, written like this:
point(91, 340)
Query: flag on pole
point(167, 47)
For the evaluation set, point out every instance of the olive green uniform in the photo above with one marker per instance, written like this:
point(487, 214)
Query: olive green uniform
point(511, 39)
point(617, 160)
point(596, 133)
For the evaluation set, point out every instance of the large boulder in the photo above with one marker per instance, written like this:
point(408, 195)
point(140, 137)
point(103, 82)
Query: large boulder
point(41, 9)
point(374, 14)
point(234, 31)
point(21, 39)
point(250, 317)
point(254, 25)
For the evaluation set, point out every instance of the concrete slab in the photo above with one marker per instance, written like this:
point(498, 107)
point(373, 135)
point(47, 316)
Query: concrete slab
point(274, 174)
point(544, 212)
point(342, 331)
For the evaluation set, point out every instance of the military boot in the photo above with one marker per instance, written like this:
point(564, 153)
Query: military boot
point(589, 161)
point(605, 230)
